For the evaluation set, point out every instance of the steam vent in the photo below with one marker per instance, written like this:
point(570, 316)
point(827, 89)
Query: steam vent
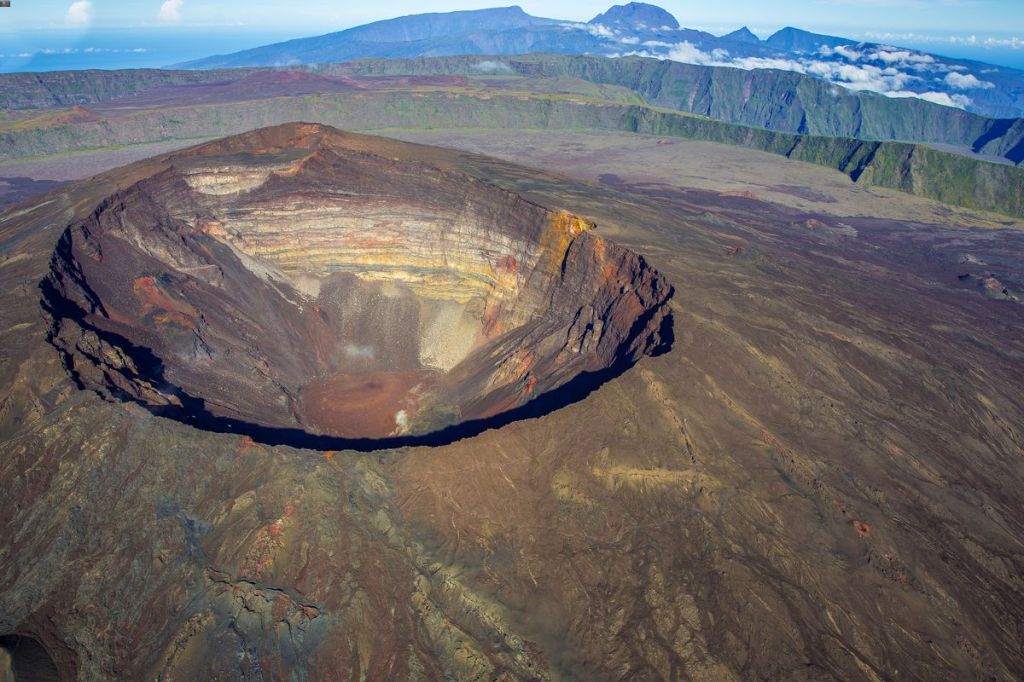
point(300, 283)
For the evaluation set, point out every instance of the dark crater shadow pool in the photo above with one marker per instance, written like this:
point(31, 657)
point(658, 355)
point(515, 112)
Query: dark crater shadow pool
point(25, 659)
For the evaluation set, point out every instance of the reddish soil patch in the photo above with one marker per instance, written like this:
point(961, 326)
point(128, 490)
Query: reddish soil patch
point(364, 405)
point(152, 297)
point(76, 114)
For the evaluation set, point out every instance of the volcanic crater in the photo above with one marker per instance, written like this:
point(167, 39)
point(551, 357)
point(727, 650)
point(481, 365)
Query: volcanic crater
point(303, 285)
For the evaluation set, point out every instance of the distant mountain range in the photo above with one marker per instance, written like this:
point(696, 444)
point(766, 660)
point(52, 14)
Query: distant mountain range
point(791, 39)
point(647, 30)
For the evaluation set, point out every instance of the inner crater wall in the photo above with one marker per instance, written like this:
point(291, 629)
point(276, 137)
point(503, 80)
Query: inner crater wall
point(320, 287)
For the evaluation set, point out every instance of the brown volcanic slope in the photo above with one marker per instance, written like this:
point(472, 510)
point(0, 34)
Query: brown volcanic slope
point(821, 480)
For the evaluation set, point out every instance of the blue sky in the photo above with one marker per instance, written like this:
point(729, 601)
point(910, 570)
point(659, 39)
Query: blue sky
point(61, 34)
point(960, 17)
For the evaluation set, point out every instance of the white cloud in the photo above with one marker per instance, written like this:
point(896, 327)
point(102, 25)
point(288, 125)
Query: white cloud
point(1012, 42)
point(886, 80)
point(861, 76)
point(959, 101)
point(688, 53)
point(886, 54)
point(79, 13)
point(691, 54)
point(170, 12)
point(491, 66)
point(848, 52)
point(75, 50)
point(749, 63)
point(597, 30)
point(903, 57)
point(966, 81)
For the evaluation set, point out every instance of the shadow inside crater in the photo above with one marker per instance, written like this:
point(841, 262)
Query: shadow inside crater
point(193, 410)
point(25, 658)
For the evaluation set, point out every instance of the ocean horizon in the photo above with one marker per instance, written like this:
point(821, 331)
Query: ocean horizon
point(135, 48)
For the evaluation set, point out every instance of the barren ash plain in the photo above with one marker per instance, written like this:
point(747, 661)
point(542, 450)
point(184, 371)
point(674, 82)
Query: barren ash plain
point(510, 379)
